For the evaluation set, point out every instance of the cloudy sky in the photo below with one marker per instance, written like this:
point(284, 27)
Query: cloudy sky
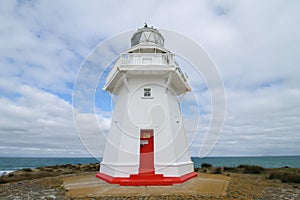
point(255, 46)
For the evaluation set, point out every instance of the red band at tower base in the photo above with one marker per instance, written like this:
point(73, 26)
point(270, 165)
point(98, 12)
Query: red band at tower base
point(145, 179)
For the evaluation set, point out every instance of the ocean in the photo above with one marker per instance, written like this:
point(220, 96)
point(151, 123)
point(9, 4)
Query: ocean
point(9, 164)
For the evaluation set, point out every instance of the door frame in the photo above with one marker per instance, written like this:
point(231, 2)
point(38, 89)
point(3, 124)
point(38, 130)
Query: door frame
point(146, 164)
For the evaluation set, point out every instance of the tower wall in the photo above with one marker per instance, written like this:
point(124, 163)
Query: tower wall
point(133, 112)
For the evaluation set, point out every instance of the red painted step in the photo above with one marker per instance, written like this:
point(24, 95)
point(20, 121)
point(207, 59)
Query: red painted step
point(145, 179)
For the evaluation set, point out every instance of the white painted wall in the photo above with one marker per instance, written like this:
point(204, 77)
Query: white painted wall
point(133, 112)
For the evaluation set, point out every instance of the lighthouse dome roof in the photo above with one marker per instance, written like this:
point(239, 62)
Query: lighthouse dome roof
point(147, 35)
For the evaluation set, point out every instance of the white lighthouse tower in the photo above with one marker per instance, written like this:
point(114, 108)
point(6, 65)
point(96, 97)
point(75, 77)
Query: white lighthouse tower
point(146, 143)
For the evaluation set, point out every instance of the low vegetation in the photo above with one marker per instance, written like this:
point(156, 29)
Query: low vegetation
point(252, 169)
point(285, 174)
point(49, 171)
point(206, 165)
point(216, 170)
point(26, 170)
point(231, 169)
point(285, 177)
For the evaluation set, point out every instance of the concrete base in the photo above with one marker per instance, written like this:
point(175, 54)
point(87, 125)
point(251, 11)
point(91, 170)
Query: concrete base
point(88, 186)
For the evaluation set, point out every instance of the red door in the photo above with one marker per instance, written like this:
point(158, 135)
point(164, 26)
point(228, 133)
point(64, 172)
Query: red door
point(146, 152)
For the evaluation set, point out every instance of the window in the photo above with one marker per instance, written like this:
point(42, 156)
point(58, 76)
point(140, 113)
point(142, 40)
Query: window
point(147, 92)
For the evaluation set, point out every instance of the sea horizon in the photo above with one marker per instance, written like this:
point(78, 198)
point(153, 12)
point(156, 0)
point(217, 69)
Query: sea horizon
point(10, 164)
point(234, 156)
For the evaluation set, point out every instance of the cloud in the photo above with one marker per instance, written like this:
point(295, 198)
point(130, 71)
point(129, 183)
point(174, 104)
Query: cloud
point(254, 44)
point(41, 123)
point(261, 122)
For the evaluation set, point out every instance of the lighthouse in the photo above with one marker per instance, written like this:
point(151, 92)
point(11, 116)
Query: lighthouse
point(146, 143)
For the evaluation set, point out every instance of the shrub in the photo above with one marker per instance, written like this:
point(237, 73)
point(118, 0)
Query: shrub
point(206, 165)
point(68, 166)
point(285, 177)
point(55, 166)
point(27, 170)
point(252, 169)
point(231, 169)
point(3, 180)
point(217, 170)
point(74, 167)
point(48, 170)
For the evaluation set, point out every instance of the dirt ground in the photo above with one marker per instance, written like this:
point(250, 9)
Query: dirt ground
point(225, 186)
